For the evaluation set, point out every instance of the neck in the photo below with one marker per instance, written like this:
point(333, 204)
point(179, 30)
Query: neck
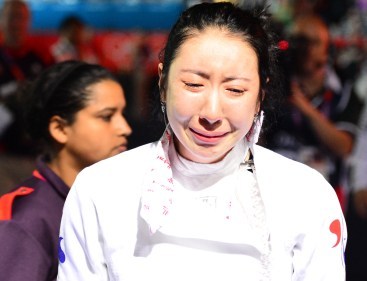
point(65, 169)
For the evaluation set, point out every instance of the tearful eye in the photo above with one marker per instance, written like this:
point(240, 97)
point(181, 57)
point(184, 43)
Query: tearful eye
point(236, 91)
point(192, 85)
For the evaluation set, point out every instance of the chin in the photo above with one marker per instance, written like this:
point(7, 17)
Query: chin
point(207, 158)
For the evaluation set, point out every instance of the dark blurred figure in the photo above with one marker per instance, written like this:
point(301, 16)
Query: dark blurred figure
point(356, 216)
point(332, 11)
point(18, 62)
point(75, 42)
point(318, 121)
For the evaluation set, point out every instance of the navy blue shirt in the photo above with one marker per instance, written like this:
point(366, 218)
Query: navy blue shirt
point(29, 235)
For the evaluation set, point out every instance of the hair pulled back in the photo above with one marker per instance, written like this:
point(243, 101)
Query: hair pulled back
point(60, 90)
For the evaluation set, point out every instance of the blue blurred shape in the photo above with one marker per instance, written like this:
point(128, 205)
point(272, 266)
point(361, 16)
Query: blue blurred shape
point(107, 15)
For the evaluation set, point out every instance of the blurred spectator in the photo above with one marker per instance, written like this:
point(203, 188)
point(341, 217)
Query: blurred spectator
point(330, 10)
point(350, 38)
point(75, 42)
point(319, 118)
point(356, 216)
point(18, 62)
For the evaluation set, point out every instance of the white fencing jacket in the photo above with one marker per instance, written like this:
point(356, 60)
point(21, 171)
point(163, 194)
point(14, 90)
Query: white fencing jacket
point(103, 236)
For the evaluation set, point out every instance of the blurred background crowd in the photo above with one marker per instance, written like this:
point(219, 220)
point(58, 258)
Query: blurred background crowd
point(323, 47)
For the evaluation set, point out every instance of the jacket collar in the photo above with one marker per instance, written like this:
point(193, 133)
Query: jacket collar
point(46, 174)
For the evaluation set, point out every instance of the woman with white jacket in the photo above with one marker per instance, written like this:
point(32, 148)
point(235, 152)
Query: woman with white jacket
point(205, 202)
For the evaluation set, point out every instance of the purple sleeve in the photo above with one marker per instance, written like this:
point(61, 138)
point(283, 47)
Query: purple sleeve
point(21, 256)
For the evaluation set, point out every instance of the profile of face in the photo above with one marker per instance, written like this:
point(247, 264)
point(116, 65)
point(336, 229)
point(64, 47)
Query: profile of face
point(99, 130)
point(15, 23)
point(314, 68)
point(211, 94)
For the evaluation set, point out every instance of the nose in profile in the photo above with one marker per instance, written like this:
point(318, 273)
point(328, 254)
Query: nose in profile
point(123, 127)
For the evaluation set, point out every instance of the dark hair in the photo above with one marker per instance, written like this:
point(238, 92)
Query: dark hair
point(69, 23)
point(59, 90)
point(253, 25)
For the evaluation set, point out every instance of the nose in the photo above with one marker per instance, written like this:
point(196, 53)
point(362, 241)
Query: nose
point(123, 127)
point(211, 112)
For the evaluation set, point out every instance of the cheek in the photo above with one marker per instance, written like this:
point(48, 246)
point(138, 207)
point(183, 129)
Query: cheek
point(180, 108)
point(242, 114)
point(242, 121)
point(91, 131)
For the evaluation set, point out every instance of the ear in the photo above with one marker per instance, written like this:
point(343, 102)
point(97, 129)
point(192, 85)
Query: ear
point(160, 70)
point(262, 97)
point(56, 127)
point(160, 82)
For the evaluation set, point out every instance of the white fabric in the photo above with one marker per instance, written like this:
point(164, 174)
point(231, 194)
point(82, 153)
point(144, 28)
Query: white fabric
point(104, 238)
point(253, 136)
point(158, 188)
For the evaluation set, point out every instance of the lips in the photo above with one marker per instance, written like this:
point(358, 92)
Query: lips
point(207, 137)
point(122, 147)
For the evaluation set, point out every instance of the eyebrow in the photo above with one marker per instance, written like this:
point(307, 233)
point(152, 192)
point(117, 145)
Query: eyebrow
point(107, 109)
point(200, 73)
point(206, 76)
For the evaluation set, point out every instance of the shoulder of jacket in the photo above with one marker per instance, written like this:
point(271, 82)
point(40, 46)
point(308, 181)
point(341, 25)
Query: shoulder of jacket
point(285, 171)
point(7, 200)
point(140, 156)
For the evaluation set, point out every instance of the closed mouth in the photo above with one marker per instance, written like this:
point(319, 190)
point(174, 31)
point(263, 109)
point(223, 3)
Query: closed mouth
point(208, 138)
point(205, 135)
point(122, 147)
